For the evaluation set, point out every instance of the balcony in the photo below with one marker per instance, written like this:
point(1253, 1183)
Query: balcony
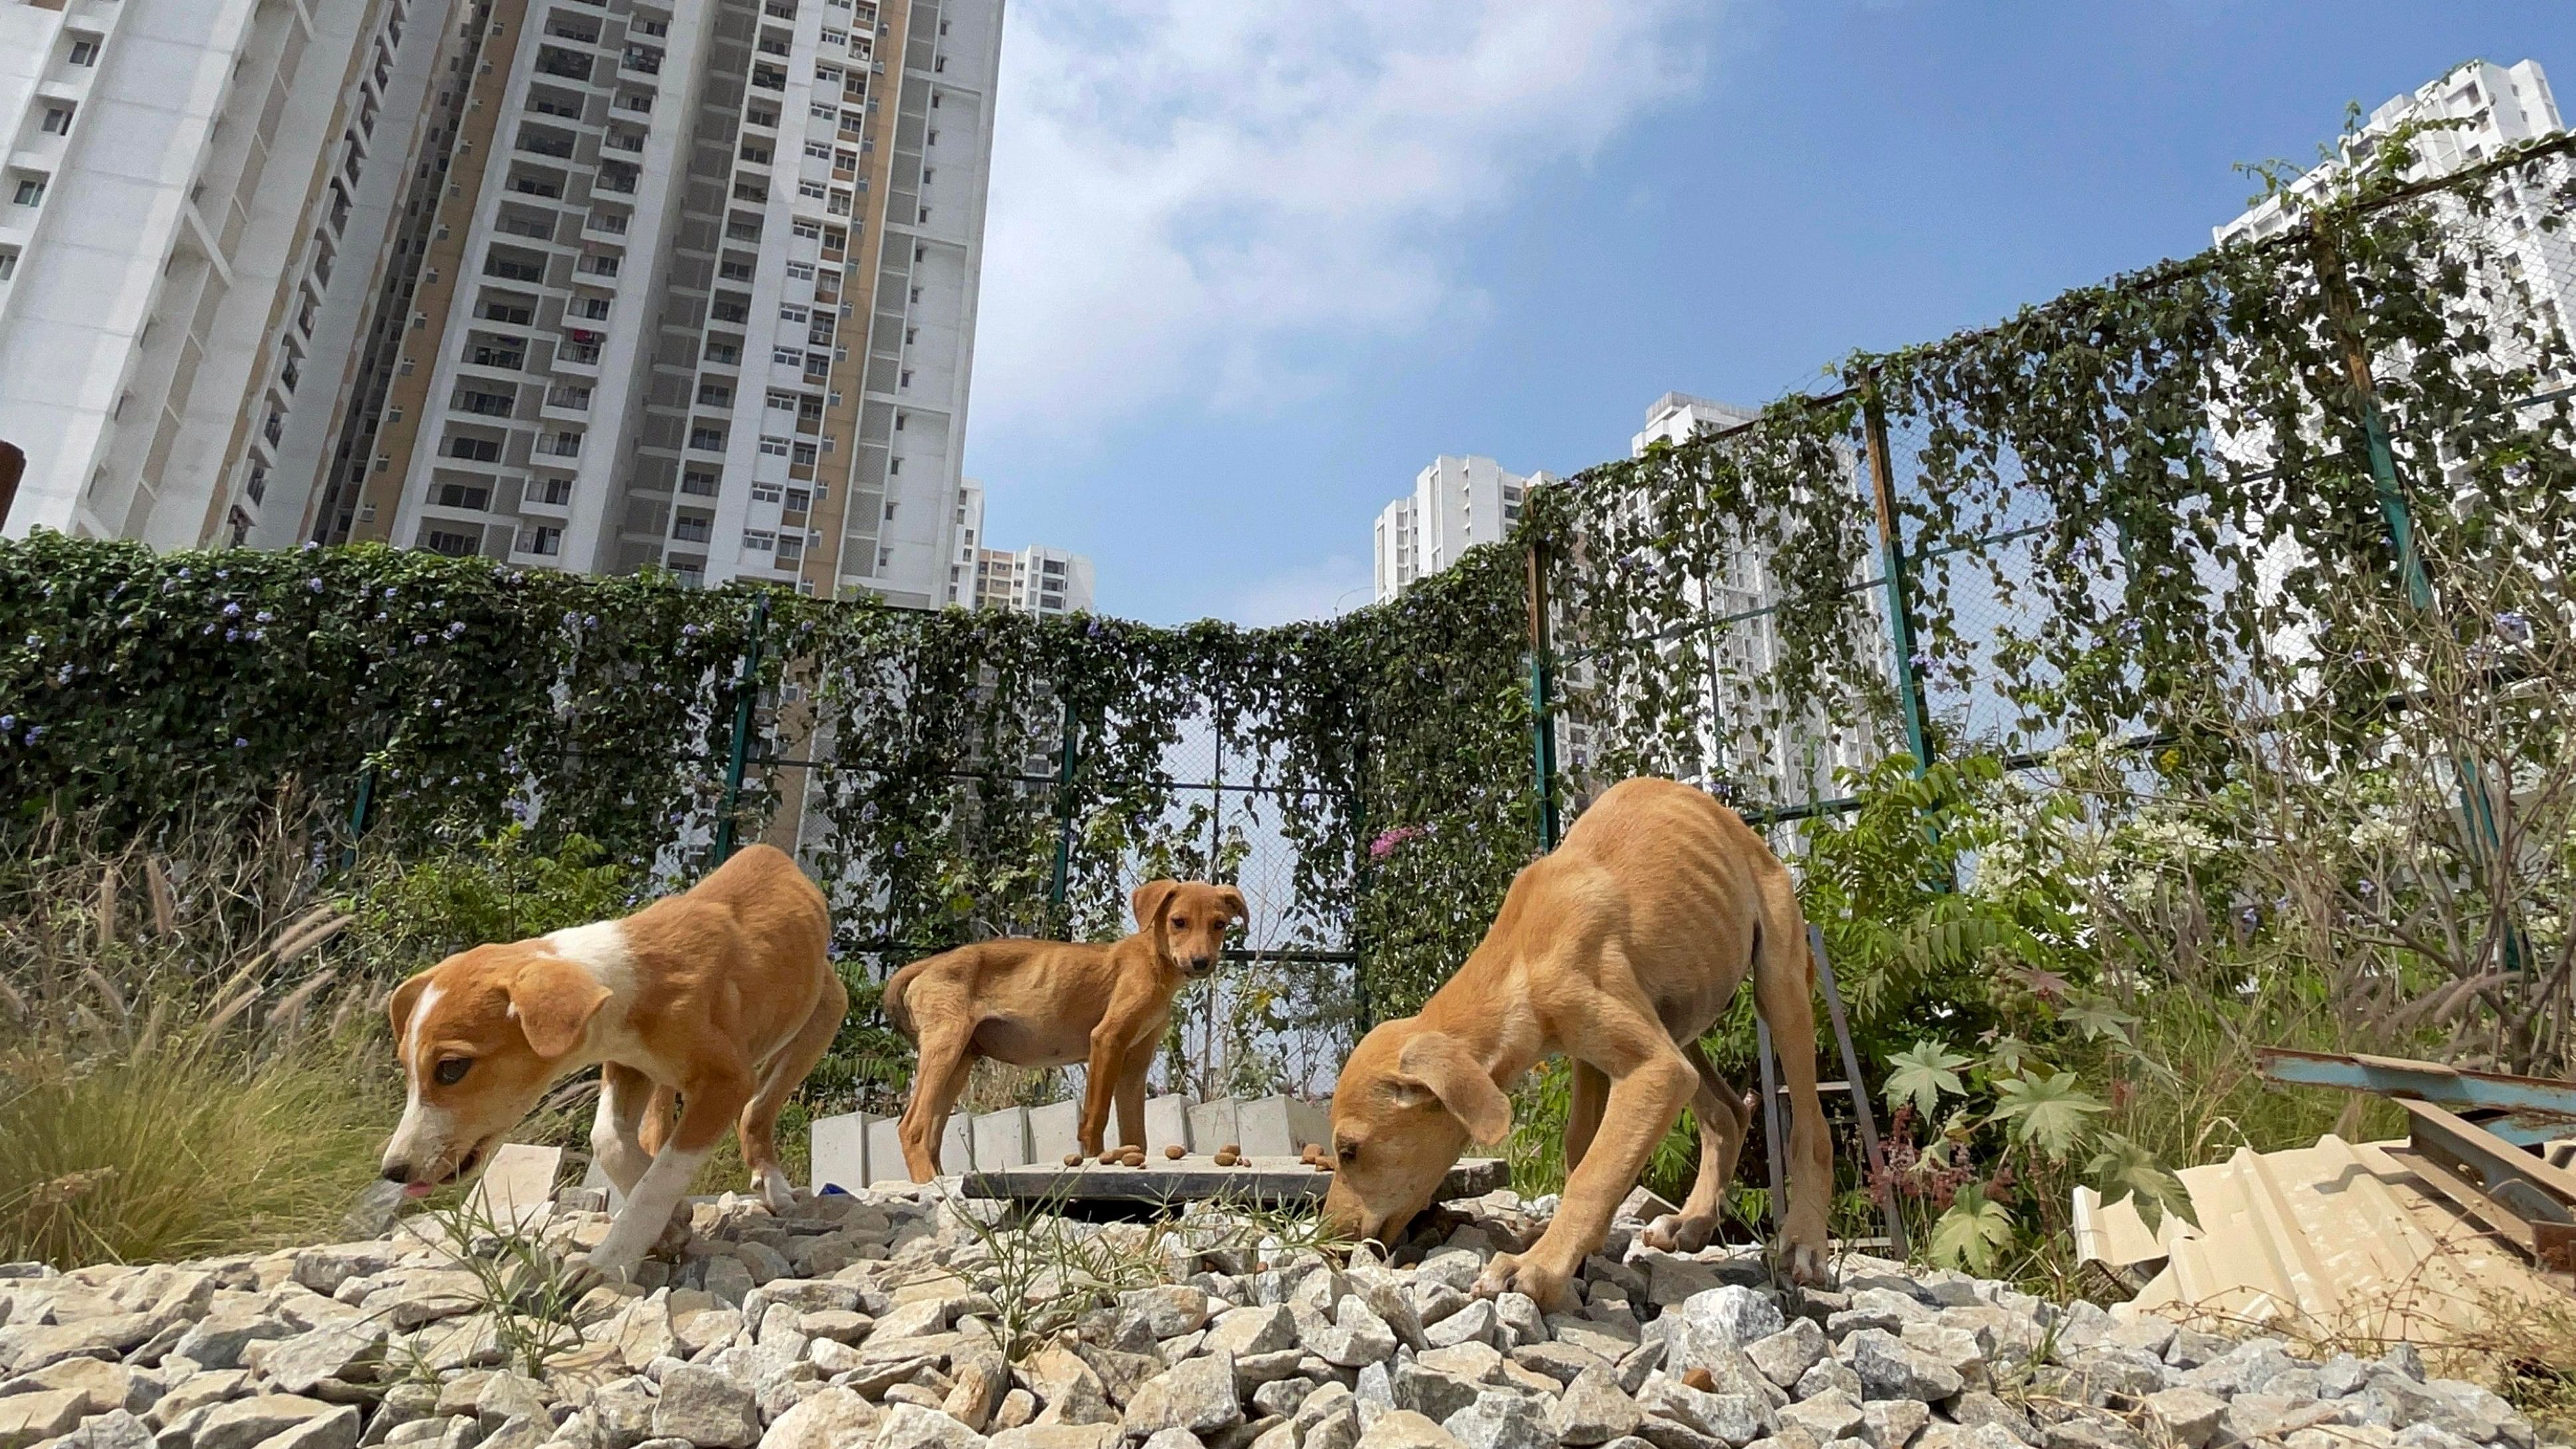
point(563, 63)
point(545, 143)
point(642, 59)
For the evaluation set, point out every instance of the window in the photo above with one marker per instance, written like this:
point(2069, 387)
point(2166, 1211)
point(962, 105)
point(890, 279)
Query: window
point(788, 313)
point(31, 190)
point(755, 153)
point(85, 52)
point(804, 455)
point(464, 495)
point(826, 111)
point(804, 272)
point(58, 120)
point(715, 395)
point(8, 265)
point(773, 447)
point(474, 450)
point(499, 309)
point(758, 541)
point(700, 482)
point(725, 354)
point(707, 440)
point(805, 228)
point(819, 150)
point(787, 356)
point(783, 401)
point(813, 190)
point(764, 493)
point(454, 545)
point(545, 540)
point(899, 420)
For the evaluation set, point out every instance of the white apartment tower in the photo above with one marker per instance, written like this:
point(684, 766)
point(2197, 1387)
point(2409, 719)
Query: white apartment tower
point(629, 283)
point(1033, 580)
point(708, 299)
point(205, 205)
point(1456, 504)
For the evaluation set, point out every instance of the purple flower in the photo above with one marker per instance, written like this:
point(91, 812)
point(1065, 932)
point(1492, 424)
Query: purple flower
point(8, 724)
point(310, 545)
point(256, 635)
point(232, 611)
point(456, 628)
point(183, 573)
point(35, 733)
point(232, 635)
point(262, 617)
point(420, 638)
point(2512, 627)
point(63, 675)
point(314, 584)
point(239, 743)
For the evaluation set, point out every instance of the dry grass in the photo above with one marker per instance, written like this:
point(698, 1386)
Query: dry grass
point(182, 1069)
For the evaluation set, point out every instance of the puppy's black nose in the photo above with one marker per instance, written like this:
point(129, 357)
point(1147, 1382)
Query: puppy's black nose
point(1202, 965)
point(397, 1172)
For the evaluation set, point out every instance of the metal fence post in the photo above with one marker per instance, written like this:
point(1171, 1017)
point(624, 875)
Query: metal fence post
point(1542, 704)
point(1363, 875)
point(746, 696)
point(1900, 601)
point(2343, 310)
point(358, 815)
point(1060, 883)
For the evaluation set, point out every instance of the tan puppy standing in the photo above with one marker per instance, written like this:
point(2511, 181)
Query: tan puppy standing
point(1618, 950)
point(1055, 1003)
point(721, 996)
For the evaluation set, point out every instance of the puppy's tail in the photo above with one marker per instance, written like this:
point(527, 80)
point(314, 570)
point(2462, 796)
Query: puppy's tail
point(895, 1014)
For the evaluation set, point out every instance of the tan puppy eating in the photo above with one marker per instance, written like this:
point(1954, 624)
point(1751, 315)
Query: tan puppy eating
point(1618, 950)
point(721, 996)
point(1055, 1003)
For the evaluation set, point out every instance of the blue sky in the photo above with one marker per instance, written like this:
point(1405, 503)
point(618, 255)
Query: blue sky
point(1251, 266)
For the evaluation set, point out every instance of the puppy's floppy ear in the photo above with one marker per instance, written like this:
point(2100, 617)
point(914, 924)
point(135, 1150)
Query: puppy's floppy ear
point(398, 1010)
point(554, 1001)
point(1232, 900)
point(1436, 1064)
point(1150, 901)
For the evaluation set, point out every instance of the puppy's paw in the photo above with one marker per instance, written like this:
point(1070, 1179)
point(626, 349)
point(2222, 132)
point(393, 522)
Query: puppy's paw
point(600, 1268)
point(1804, 1259)
point(1679, 1233)
point(776, 1191)
point(1514, 1273)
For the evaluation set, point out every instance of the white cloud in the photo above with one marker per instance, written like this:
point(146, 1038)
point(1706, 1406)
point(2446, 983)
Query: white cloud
point(1313, 591)
point(1195, 199)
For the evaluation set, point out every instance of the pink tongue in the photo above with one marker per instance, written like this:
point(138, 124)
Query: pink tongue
point(417, 1189)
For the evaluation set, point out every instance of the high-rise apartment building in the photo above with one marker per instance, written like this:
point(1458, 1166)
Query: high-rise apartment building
point(629, 282)
point(205, 206)
point(706, 301)
point(2483, 109)
point(1033, 580)
point(1456, 504)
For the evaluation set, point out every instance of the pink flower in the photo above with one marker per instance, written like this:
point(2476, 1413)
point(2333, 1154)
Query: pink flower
point(1384, 845)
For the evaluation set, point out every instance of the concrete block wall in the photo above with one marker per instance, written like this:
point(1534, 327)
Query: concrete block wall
point(855, 1150)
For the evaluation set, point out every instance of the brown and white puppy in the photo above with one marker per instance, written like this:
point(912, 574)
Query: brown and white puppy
point(1055, 1003)
point(722, 996)
point(1618, 950)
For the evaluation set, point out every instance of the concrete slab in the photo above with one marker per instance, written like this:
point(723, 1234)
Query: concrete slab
point(1280, 1126)
point(1054, 1130)
point(1167, 1121)
point(1214, 1124)
point(1001, 1139)
point(1281, 1180)
point(517, 1188)
point(840, 1150)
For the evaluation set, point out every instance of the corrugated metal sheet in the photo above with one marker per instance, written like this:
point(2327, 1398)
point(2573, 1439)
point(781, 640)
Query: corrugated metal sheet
point(2336, 1239)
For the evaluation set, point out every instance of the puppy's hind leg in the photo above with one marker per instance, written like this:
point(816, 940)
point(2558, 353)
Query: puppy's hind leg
point(785, 1073)
point(1588, 1088)
point(938, 1080)
point(1722, 1124)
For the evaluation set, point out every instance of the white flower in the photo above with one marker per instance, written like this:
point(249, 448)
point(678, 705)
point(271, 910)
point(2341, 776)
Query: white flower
point(2379, 831)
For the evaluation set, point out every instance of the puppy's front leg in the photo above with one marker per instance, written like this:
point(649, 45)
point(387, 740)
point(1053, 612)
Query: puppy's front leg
point(1101, 1075)
point(1642, 1107)
point(709, 1111)
point(1131, 1096)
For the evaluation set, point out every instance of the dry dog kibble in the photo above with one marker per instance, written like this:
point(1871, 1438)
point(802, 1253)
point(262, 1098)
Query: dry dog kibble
point(1225, 1157)
point(1702, 1380)
point(1134, 1158)
point(1233, 1148)
point(1176, 1152)
point(1109, 1157)
point(1073, 1159)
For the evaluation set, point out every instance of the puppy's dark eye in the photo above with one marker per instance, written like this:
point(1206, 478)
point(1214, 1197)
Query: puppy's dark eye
point(1182, 923)
point(1347, 1152)
point(451, 1071)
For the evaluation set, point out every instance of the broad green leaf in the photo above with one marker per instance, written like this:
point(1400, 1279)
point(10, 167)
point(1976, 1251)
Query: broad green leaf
point(2099, 1019)
point(1971, 1233)
point(2122, 1168)
point(2046, 1112)
point(1923, 1074)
